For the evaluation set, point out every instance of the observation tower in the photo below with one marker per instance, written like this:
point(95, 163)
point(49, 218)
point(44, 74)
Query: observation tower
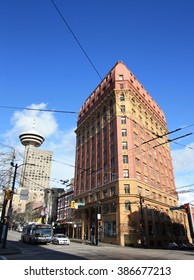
point(31, 138)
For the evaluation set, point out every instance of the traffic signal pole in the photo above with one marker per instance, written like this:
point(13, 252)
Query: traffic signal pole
point(141, 200)
point(97, 223)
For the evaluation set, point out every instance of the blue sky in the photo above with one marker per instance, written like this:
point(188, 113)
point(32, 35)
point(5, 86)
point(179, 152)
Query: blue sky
point(43, 65)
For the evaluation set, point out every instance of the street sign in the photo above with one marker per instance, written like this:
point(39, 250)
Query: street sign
point(177, 208)
point(81, 204)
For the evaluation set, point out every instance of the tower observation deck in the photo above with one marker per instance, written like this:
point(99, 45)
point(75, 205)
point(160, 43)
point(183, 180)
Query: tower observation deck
point(31, 138)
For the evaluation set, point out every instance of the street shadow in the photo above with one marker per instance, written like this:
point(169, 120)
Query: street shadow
point(17, 250)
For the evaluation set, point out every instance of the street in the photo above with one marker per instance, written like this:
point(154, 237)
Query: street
point(78, 251)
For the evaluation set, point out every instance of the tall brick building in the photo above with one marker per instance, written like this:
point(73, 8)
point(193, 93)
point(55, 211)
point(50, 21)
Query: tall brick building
point(124, 170)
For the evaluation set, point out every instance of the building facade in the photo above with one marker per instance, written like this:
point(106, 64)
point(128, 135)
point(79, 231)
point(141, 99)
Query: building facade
point(65, 220)
point(124, 174)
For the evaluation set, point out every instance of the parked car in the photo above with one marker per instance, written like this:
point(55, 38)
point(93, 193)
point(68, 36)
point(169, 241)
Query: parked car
point(19, 228)
point(184, 246)
point(172, 245)
point(60, 239)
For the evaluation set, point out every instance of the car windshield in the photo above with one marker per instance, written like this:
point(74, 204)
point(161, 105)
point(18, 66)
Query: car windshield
point(61, 236)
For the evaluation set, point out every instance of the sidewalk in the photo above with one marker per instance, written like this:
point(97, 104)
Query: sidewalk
point(10, 249)
point(88, 242)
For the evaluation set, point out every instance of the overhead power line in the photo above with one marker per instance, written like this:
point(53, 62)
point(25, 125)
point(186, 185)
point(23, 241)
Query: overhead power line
point(171, 140)
point(64, 20)
point(161, 136)
point(36, 109)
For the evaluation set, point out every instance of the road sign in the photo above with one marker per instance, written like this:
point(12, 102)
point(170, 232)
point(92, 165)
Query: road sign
point(177, 208)
point(81, 204)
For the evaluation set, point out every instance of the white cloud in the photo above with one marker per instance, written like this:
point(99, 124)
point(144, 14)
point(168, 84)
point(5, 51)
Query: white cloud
point(43, 122)
point(61, 143)
point(183, 163)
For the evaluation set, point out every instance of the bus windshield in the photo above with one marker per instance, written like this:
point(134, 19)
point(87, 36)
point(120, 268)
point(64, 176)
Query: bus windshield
point(43, 231)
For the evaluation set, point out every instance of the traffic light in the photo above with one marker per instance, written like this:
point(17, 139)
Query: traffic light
point(9, 194)
point(73, 204)
point(186, 207)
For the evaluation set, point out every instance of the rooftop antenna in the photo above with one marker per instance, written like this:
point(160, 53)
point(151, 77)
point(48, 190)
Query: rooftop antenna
point(34, 124)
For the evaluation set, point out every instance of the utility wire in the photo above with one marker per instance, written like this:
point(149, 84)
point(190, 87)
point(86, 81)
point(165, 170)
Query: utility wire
point(35, 109)
point(186, 146)
point(171, 140)
point(186, 186)
point(161, 136)
point(64, 20)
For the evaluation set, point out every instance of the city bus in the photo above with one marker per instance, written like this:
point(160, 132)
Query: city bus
point(37, 233)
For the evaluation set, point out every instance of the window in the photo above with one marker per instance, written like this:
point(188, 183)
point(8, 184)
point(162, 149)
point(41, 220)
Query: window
point(121, 86)
point(139, 190)
point(121, 77)
point(122, 107)
point(125, 158)
point(122, 97)
point(133, 112)
point(127, 205)
point(136, 148)
point(123, 120)
point(137, 161)
point(144, 167)
point(125, 173)
point(138, 176)
point(126, 188)
point(113, 191)
point(134, 124)
point(124, 132)
point(110, 229)
point(147, 193)
point(145, 179)
point(135, 136)
point(124, 145)
point(105, 194)
point(105, 179)
point(153, 195)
